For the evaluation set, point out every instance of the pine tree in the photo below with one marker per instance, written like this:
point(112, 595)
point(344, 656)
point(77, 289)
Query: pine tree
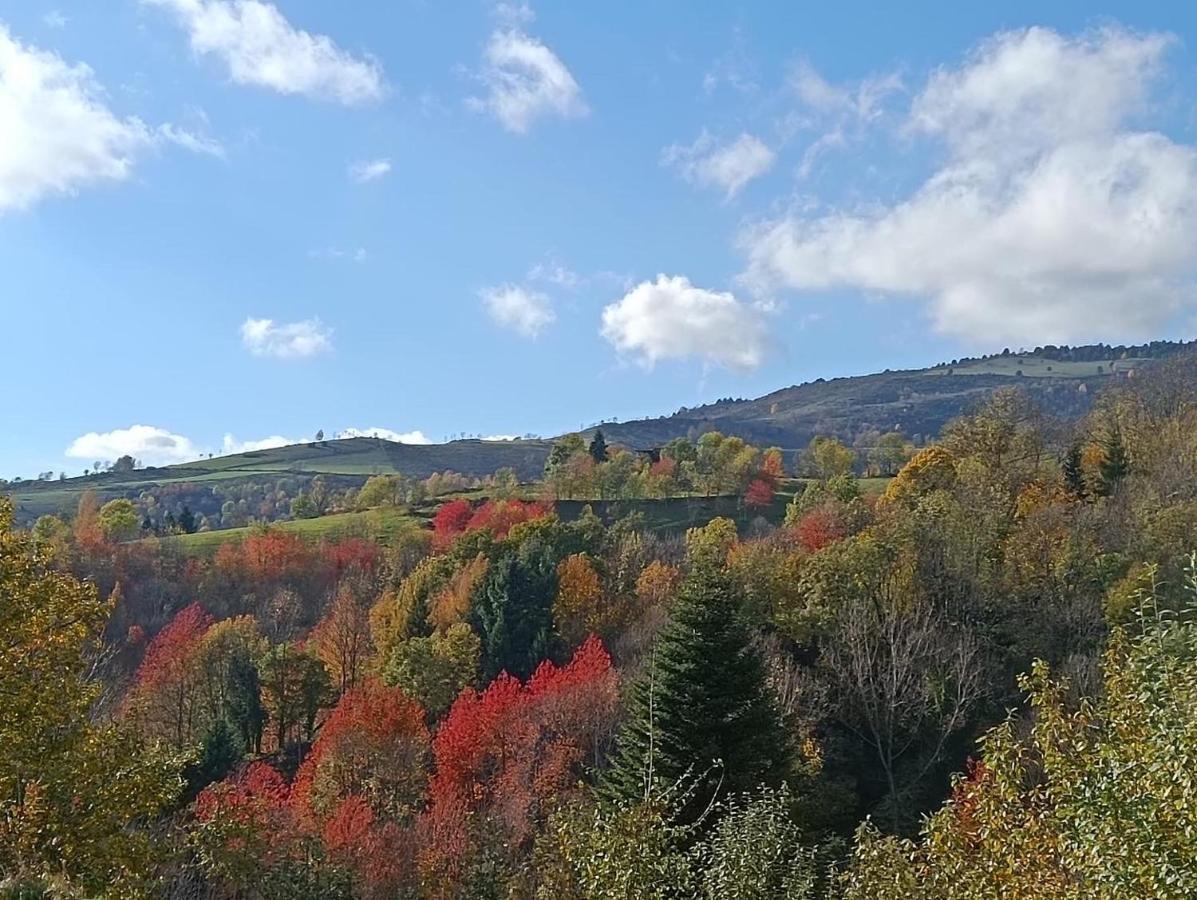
point(701, 708)
point(244, 704)
point(598, 447)
point(514, 613)
point(1074, 470)
point(1114, 464)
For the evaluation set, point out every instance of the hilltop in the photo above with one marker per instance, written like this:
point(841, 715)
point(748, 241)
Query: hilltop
point(918, 402)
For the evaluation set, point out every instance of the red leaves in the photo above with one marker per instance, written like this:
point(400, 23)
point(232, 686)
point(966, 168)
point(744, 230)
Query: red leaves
point(374, 745)
point(505, 753)
point(450, 521)
point(496, 516)
point(759, 494)
point(171, 648)
point(821, 526)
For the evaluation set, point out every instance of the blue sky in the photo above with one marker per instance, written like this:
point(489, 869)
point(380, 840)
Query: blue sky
point(227, 222)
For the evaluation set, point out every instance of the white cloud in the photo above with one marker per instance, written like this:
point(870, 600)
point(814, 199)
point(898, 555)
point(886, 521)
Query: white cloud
point(58, 135)
point(294, 340)
point(368, 170)
point(402, 437)
point(526, 80)
point(671, 319)
point(728, 167)
point(55, 19)
point(514, 13)
point(260, 47)
point(153, 446)
point(525, 311)
point(232, 445)
point(501, 437)
point(1050, 219)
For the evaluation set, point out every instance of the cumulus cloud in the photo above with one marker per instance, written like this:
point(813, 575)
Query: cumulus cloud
point(671, 319)
point(501, 437)
point(728, 167)
point(55, 19)
point(59, 135)
point(368, 170)
point(153, 446)
point(402, 437)
point(1051, 218)
point(526, 81)
point(294, 340)
point(260, 47)
point(518, 308)
point(232, 445)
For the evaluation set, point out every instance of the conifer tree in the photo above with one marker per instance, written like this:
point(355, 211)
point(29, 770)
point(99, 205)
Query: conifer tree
point(1114, 464)
point(1074, 471)
point(701, 708)
point(598, 447)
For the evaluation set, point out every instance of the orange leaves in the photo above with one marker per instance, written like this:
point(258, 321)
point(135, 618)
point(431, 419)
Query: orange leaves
point(374, 745)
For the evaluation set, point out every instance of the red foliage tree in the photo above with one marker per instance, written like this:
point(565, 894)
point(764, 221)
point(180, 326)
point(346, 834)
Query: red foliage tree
point(450, 520)
point(821, 526)
point(164, 694)
point(759, 494)
point(503, 754)
point(374, 745)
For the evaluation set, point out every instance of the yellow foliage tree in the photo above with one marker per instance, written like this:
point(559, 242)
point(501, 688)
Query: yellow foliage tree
point(74, 796)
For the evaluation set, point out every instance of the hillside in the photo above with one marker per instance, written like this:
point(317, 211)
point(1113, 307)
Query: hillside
point(1063, 381)
point(349, 461)
point(917, 402)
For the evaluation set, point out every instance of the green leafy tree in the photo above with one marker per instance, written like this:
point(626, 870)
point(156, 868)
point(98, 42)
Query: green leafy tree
point(118, 520)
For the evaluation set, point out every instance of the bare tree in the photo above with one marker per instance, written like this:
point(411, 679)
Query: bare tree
point(906, 680)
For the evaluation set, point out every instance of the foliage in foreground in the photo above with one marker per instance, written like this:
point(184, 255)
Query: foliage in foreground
point(1098, 800)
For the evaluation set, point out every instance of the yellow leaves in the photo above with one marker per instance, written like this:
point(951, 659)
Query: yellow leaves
point(70, 792)
point(658, 583)
point(932, 468)
point(578, 609)
point(452, 604)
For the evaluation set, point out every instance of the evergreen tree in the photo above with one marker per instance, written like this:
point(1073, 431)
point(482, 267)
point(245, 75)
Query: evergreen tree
point(244, 703)
point(598, 447)
point(514, 612)
point(1114, 464)
point(1074, 471)
point(701, 707)
point(187, 520)
point(219, 752)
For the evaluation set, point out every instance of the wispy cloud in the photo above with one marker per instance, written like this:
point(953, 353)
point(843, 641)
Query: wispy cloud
point(294, 340)
point(368, 170)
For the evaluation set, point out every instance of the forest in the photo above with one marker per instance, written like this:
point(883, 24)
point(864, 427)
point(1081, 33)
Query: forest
point(965, 668)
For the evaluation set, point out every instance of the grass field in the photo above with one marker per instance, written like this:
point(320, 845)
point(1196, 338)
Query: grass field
point(376, 524)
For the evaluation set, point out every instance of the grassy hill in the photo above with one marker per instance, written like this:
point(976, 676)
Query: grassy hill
point(352, 460)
